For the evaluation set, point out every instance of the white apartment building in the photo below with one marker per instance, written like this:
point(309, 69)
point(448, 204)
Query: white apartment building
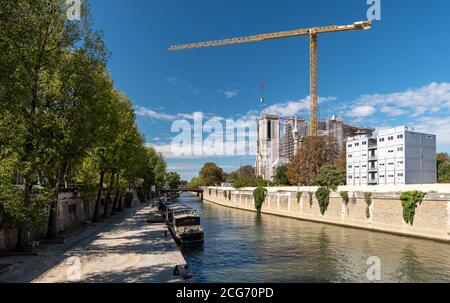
point(396, 156)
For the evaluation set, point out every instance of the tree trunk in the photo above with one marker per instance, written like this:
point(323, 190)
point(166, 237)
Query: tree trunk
point(116, 197)
point(23, 235)
point(108, 195)
point(99, 196)
point(119, 207)
point(53, 215)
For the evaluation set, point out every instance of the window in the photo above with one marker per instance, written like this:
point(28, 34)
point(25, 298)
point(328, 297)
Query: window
point(350, 177)
point(364, 166)
point(381, 140)
point(400, 174)
point(382, 164)
point(350, 166)
point(350, 156)
point(356, 144)
point(391, 176)
point(364, 155)
point(382, 176)
point(350, 146)
point(400, 149)
point(399, 136)
point(356, 166)
point(364, 177)
point(390, 151)
point(391, 164)
point(391, 138)
point(364, 143)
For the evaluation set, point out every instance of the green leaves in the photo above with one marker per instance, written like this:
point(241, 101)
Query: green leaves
point(259, 196)
point(410, 201)
point(323, 197)
point(330, 177)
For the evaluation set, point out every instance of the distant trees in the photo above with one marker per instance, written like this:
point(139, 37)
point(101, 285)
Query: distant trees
point(211, 175)
point(443, 168)
point(330, 177)
point(281, 177)
point(314, 153)
point(173, 179)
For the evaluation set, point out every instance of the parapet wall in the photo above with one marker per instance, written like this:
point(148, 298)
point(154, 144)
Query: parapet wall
point(432, 218)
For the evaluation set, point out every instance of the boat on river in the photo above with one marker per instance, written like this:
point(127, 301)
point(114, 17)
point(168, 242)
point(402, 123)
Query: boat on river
point(184, 223)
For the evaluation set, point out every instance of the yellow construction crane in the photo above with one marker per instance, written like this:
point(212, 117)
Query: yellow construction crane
point(312, 32)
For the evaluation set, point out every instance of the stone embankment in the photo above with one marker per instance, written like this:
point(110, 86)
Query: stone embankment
point(384, 214)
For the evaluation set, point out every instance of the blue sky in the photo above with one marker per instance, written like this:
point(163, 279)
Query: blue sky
point(396, 74)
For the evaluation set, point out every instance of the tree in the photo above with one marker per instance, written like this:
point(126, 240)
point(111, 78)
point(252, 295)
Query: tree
point(330, 177)
point(195, 183)
point(314, 153)
point(444, 172)
point(281, 177)
point(211, 175)
point(174, 180)
point(36, 45)
point(341, 161)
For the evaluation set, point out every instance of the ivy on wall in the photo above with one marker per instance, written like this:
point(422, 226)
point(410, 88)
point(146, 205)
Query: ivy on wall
point(323, 197)
point(259, 196)
point(299, 196)
point(410, 201)
point(344, 196)
point(368, 199)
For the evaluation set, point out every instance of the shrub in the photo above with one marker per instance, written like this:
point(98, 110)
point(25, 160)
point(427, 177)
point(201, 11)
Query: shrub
point(323, 197)
point(225, 194)
point(229, 195)
point(299, 196)
point(345, 198)
point(259, 195)
point(310, 199)
point(368, 199)
point(410, 201)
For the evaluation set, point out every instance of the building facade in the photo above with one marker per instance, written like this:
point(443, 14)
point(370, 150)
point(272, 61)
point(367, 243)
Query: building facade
point(396, 156)
point(279, 142)
point(268, 146)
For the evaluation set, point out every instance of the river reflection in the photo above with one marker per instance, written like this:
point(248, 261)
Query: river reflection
point(241, 246)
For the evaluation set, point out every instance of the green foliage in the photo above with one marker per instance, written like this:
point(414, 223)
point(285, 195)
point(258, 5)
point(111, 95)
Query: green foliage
point(368, 199)
point(174, 180)
point(344, 196)
point(229, 195)
point(259, 196)
point(299, 197)
point(323, 197)
point(410, 201)
point(444, 172)
point(330, 177)
point(310, 195)
point(211, 175)
point(88, 177)
point(209, 191)
point(281, 177)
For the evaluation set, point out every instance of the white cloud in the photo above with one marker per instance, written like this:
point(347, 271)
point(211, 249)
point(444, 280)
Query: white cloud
point(231, 93)
point(362, 111)
point(293, 108)
point(430, 98)
point(145, 112)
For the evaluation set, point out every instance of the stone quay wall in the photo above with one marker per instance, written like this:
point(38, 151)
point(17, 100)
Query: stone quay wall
point(432, 218)
point(72, 213)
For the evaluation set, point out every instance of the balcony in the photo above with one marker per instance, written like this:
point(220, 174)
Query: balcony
point(373, 169)
point(372, 181)
point(373, 157)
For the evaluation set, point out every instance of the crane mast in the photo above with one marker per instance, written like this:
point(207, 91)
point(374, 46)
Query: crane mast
point(313, 35)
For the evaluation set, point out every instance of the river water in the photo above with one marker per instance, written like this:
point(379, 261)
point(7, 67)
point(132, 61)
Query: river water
point(241, 246)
